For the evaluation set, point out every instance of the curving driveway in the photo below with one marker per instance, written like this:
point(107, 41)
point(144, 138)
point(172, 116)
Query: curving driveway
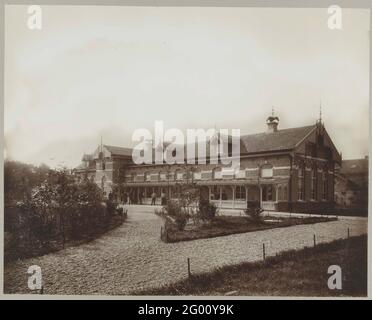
point(132, 256)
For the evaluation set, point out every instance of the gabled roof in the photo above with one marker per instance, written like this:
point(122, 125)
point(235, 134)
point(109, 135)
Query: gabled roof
point(281, 140)
point(355, 166)
point(119, 151)
point(274, 141)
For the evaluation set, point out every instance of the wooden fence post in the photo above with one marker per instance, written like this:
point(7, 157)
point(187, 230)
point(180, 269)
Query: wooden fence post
point(188, 267)
point(314, 240)
point(263, 251)
point(348, 233)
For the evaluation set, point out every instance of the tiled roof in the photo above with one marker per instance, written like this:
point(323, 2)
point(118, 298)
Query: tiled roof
point(274, 141)
point(355, 166)
point(285, 139)
point(120, 151)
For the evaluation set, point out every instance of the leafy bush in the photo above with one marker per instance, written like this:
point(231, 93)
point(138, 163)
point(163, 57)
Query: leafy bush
point(58, 209)
point(177, 212)
point(181, 221)
point(207, 210)
point(254, 214)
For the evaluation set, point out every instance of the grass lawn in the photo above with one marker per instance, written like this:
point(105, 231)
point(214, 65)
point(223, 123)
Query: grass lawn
point(292, 273)
point(225, 225)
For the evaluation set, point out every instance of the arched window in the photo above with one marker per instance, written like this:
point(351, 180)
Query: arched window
point(325, 186)
point(313, 184)
point(301, 183)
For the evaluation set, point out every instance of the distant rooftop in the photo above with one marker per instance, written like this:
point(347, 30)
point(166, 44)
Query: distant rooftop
point(355, 166)
point(120, 151)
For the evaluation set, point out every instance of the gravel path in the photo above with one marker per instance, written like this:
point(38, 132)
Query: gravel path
point(132, 256)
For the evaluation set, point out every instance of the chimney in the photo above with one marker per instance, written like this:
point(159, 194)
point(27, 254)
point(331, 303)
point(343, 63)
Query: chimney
point(272, 124)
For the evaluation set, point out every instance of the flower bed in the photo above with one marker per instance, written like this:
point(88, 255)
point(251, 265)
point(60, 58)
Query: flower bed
point(226, 225)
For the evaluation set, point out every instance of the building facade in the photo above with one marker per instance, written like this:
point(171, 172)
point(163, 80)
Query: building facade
point(351, 184)
point(284, 170)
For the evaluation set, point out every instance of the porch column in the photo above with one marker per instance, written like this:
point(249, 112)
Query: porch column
point(246, 196)
point(209, 193)
point(220, 196)
point(260, 195)
point(233, 188)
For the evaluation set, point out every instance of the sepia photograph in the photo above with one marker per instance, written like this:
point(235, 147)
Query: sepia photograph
point(172, 151)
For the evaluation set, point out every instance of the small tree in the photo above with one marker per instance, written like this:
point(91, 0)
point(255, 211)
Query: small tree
point(189, 199)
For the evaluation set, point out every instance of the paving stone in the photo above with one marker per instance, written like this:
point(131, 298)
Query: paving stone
point(132, 256)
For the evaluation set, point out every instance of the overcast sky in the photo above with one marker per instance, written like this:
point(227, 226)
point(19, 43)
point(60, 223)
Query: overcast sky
point(107, 71)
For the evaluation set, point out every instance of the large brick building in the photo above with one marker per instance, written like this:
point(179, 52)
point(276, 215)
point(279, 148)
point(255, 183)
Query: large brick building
point(285, 170)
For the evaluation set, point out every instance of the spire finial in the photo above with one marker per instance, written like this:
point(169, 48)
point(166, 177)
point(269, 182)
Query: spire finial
point(101, 144)
point(320, 111)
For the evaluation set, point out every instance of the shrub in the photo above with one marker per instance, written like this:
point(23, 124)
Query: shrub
point(181, 221)
point(55, 211)
point(207, 210)
point(176, 211)
point(254, 214)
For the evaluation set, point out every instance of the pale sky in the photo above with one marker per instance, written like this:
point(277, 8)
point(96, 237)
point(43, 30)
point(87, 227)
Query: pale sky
point(106, 71)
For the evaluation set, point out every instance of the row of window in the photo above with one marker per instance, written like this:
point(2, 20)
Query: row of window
point(269, 193)
point(313, 184)
point(218, 173)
